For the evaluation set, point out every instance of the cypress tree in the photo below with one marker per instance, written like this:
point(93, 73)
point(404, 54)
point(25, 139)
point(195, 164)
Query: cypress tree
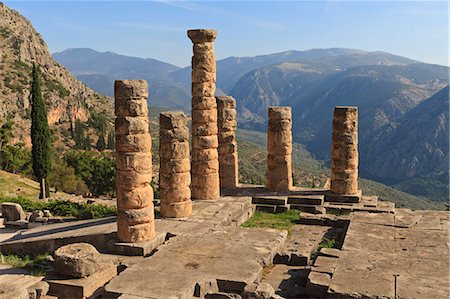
point(111, 141)
point(40, 135)
point(101, 145)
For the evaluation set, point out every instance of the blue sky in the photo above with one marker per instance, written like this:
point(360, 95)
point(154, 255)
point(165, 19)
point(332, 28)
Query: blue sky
point(157, 29)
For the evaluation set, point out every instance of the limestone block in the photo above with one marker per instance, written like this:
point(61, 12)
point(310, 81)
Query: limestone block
point(36, 214)
point(200, 36)
point(226, 102)
point(205, 154)
point(133, 143)
point(229, 182)
point(174, 150)
point(136, 233)
point(13, 211)
point(135, 216)
point(228, 170)
point(176, 134)
point(172, 119)
point(280, 113)
point(203, 103)
point(128, 180)
point(207, 129)
point(205, 180)
point(168, 195)
point(200, 75)
point(171, 180)
point(206, 62)
point(204, 117)
point(76, 260)
point(227, 148)
point(132, 108)
point(205, 167)
point(131, 125)
point(229, 159)
point(137, 198)
point(203, 48)
point(176, 209)
point(206, 193)
point(136, 162)
point(227, 137)
point(175, 165)
point(130, 89)
point(204, 142)
point(226, 114)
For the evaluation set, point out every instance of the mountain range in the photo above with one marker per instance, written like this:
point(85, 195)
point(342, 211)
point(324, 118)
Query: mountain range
point(403, 141)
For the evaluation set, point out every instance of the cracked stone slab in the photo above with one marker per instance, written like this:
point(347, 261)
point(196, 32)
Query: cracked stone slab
point(232, 257)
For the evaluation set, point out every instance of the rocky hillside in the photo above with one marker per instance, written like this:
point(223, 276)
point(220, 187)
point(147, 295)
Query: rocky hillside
point(65, 96)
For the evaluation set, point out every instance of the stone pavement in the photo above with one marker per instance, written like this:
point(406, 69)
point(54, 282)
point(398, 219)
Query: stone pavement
point(412, 245)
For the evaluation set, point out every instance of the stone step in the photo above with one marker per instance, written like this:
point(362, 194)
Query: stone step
point(270, 200)
point(288, 281)
point(308, 208)
point(306, 199)
point(20, 224)
point(272, 208)
point(382, 207)
point(350, 198)
point(369, 201)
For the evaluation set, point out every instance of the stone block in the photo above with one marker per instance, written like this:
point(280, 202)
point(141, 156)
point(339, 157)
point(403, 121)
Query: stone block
point(317, 284)
point(171, 180)
point(135, 216)
point(134, 143)
point(135, 162)
point(174, 150)
point(82, 288)
point(269, 200)
point(129, 89)
point(12, 211)
point(204, 89)
point(126, 125)
point(204, 61)
point(137, 198)
point(176, 209)
point(205, 142)
point(306, 199)
point(136, 233)
point(206, 116)
point(172, 119)
point(203, 103)
point(18, 224)
point(175, 165)
point(280, 113)
point(201, 75)
point(205, 167)
point(129, 180)
point(143, 248)
point(205, 129)
point(200, 36)
point(205, 154)
point(76, 260)
point(173, 135)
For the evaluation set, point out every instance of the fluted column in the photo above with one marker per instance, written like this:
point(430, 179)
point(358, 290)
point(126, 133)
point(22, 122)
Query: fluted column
point(344, 151)
point(205, 164)
point(279, 147)
point(228, 154)
point(135, 215)
point(175, 165)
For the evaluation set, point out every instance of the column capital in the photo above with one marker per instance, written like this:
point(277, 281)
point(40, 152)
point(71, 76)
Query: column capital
point(200, 36)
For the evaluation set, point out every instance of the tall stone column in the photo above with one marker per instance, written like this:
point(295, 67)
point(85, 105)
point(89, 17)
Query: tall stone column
point(205, 164)
point(175, 165)
point(279, 147)
point(344, 151)
point(135, 217)
point(228, 155)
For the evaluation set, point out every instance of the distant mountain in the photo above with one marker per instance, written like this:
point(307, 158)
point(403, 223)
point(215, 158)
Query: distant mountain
point(99, 70)
point(385, 87)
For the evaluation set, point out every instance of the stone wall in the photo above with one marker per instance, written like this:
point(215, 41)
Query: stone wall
point(175, 165)
point(228, 154)
point(279, 148)
point(135, 215)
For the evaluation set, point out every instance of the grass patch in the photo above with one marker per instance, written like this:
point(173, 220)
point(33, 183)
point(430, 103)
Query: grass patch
point(36, 265)
point(327, 243)
point(278, 221)
point(64, 208)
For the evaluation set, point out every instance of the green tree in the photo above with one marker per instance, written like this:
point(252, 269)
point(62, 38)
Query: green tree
point(40, 135)
point(111, 141)
point(16, 158)
point(63, 178)
point(79, 134)
point(101, 145)
point(6, 132)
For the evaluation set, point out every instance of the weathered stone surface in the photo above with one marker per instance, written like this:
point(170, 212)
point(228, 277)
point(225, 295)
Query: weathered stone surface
point(279, 147)
point(204, 115)
point(135, 221)
point(76, 260)
point(317, 284)
point(175, 193)
point(344, 153)
point(13, 211)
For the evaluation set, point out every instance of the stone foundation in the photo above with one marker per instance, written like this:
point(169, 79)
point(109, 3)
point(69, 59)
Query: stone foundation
point(279, 148)
point(135, 215)
point(205, 164)
point(228, 154)
point(175, 165)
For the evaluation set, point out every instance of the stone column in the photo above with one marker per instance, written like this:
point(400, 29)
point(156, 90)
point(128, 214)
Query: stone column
point(205, 164)
point(175, 165)
point(228, 155)
point(344, 151)
point(279, 147)
point(135, 217)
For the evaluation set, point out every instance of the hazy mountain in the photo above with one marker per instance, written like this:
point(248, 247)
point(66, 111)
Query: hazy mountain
point(66, 97)
point(99, 70)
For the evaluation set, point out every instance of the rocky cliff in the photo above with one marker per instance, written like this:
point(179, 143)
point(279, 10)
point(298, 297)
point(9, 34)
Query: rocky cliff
point(65, 96)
